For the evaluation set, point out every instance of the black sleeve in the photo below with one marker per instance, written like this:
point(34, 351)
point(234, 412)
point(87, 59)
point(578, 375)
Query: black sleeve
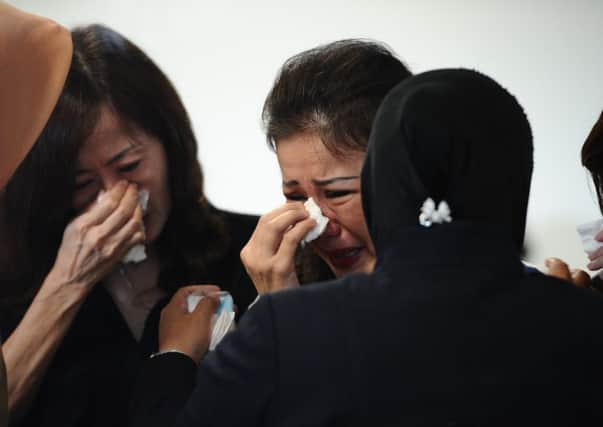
point(233, 386)
point(165, 382)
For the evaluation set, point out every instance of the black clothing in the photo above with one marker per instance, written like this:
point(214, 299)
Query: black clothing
point(443, 333)
point(89, 381)
point(453, 135)
point(449, 330)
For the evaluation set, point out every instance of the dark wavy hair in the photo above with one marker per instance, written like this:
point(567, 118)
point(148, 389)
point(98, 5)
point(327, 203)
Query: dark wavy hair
point(335, 90)
point(592, 157)
point(109, 70)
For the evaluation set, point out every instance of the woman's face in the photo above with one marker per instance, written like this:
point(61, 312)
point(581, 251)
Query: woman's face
point(113, 153)
point(308, 170)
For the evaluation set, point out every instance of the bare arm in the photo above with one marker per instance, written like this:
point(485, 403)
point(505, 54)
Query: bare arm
point(92, 245)
point(31, 346)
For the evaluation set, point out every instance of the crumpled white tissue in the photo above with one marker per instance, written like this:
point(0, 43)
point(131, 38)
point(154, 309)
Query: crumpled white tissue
point(587, 233)
point(137, 253)
point(223, 320)
point(321, 221)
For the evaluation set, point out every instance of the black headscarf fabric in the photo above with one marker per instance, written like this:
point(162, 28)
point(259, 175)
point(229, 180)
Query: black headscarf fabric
point(453, 135)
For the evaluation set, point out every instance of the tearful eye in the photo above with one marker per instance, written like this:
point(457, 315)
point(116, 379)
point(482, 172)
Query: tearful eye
point(83, 184)
point(130, 166)
point(335, 194)
point(296, 197)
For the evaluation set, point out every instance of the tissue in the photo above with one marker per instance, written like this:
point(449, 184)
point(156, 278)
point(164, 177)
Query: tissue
point(587, 234)
point(223, 320)
point(137, 253)
point(321, 221)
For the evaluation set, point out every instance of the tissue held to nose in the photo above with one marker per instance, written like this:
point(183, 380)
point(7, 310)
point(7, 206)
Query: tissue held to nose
point(137, 253)
point(321, 221)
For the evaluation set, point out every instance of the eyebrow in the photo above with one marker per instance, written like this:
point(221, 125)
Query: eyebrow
point(113, 159)
point(322, 182)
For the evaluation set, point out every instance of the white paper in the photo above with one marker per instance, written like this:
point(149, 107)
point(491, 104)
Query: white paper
point(587, 234)
point(321, 221)
point(138, 253)
point(221, 323)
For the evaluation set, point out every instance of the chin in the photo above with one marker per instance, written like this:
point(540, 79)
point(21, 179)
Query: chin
point(363, 266)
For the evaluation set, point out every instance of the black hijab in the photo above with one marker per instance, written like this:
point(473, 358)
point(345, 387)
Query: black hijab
point(453, 135)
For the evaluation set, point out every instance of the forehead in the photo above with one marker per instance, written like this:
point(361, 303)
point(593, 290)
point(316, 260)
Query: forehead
point(108, 137)
point(303, 157)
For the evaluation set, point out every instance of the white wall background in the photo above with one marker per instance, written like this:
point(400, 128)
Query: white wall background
point(223, 55)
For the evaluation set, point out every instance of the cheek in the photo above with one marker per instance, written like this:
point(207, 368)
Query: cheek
point(162, 186)
point(351, 218)
point(83, 198)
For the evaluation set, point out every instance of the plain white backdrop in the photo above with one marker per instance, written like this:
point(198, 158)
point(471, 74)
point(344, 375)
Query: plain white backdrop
point(223, 56)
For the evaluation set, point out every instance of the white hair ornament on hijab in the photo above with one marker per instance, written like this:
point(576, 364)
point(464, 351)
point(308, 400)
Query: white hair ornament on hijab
point(430, 215)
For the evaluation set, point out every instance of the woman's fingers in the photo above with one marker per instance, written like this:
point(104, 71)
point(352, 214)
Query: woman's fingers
point(291, 239)
point(282, 209)
point(206, 307)
point(104, 205)
point(558, 268)
point(580, 278)
point(127, 209)
point(185, 291)
point(596, 254)
point(267, 236)
point(131, 234)
point(268, 257)
point(276, 228)
point(595, 264)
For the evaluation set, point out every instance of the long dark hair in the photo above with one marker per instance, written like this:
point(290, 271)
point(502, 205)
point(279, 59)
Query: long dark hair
point(592, 157)
point(108, 69)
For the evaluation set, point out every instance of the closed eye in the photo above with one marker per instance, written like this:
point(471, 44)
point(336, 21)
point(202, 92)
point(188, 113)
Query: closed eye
point(83, 184)
point(333, 194)
point(130, 166)
point(295, 197)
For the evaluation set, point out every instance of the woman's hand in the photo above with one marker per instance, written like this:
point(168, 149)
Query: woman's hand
point(94, 242)
point(269, 255)
point(559, 269)
point(596, 257)
point(186, 332)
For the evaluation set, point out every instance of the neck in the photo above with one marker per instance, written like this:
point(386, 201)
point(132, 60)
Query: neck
point(139, 277)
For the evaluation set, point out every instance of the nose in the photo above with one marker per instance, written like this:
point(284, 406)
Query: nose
point(333, 228)
point(109, 179)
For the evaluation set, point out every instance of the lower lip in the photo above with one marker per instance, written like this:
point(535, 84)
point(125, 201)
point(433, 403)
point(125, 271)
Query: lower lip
point(345, 260)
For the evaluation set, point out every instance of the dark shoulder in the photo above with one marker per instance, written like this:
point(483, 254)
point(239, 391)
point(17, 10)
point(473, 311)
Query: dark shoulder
point(561, 289)
point(239, 226)
point(564, 301)
point(322, 297)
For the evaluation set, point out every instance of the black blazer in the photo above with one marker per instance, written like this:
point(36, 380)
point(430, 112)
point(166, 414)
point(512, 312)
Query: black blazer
point(90, 379)
point(449, 330)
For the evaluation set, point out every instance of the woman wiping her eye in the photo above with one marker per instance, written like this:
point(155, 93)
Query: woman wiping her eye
point(317, 118)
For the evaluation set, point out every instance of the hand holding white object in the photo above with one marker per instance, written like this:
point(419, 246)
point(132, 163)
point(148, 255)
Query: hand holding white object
point(269, 255)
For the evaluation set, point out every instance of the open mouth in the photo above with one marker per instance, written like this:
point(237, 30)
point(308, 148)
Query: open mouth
point(345, 258)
